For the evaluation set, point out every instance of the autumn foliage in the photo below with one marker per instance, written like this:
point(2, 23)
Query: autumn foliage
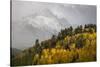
point(70, 45)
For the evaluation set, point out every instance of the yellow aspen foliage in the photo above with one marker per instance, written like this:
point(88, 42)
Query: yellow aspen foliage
point(94, 35)
point(50, 60)
point(72, 46)
point(90, 36)
point(87, 54)
point(85, 35)
point(66, 38)
point(61, 55)
point(58, 46)
point(36, 58)
point(87, 43)
point(93, 42)
point(53, 51)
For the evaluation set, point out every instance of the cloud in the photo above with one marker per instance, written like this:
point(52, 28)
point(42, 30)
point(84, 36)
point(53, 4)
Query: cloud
point(44, 22)
point(40, 20)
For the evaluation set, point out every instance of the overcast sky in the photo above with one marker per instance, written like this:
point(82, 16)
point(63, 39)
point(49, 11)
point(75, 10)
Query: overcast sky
point(32, 20)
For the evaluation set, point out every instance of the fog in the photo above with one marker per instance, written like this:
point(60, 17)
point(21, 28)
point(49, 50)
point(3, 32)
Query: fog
point(38, 20)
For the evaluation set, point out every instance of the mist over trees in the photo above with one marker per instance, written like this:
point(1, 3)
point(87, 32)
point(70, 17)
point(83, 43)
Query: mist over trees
point(70, 45)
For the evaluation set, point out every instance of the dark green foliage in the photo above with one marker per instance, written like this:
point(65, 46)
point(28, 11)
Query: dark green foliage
point(79, 29)
point(80, 41)
point(38, 47)
point(53, 41)
point(91, 27)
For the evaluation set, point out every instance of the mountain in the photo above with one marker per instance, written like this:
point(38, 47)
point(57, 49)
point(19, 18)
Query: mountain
point(72, 45)
point(15, 51)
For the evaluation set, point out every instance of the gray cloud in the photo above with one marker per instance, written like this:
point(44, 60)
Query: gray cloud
point(32, 20)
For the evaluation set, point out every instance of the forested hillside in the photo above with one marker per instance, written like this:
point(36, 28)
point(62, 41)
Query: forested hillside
point(70, 45)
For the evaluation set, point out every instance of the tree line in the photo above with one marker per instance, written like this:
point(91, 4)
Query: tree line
point(70, 45)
